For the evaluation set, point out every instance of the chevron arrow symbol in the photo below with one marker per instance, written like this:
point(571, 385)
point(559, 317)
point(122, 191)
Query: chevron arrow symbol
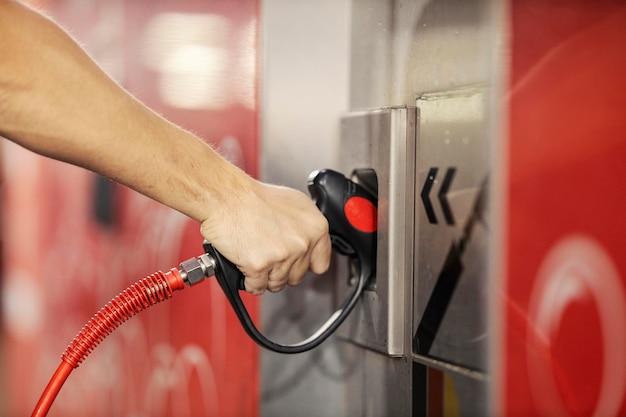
point(428, 206)
point(442, 196)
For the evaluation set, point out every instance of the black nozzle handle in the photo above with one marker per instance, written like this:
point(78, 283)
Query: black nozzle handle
point(350, 211)
point(231, 279)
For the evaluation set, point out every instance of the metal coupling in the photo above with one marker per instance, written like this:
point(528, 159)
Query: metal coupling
point(195, 270)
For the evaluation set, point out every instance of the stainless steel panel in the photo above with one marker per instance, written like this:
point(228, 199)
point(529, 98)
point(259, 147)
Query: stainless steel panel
point(320, 60)
point(384, 140)
point(380, 388)
point(450, 307)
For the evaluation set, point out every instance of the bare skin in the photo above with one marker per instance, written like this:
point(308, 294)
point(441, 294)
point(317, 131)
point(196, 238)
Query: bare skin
point(56, 101)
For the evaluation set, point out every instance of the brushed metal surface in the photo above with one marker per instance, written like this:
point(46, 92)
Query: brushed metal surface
point(450, 307)
point(384, 140)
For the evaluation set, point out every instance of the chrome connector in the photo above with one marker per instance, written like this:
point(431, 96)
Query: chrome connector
point(208, 264)
point(195, 270)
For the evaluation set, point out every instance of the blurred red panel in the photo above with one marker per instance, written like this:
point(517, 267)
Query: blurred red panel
point(186, 357)
point(565, 232)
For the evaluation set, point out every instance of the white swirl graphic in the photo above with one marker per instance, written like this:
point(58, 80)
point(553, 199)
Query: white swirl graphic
point(575, 267)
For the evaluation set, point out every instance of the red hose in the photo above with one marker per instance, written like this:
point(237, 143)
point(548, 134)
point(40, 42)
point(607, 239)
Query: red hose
point(136, 298)
point(53, 388)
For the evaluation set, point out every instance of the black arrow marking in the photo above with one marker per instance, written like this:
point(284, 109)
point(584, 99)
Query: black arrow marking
point(447, 281)
point(428, 206)
point(439, 300)
point(443, 199)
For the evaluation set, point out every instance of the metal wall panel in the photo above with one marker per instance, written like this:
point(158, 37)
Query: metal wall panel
point(399, 53)
point(383, 140)
point(305, 56)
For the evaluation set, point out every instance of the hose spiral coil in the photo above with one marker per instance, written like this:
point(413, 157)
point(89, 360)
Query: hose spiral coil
point(145, 293)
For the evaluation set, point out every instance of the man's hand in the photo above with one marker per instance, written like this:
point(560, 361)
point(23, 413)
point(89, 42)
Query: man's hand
point(273, 234)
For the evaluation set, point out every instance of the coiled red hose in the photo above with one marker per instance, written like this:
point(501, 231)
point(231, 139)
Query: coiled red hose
point(149, 291)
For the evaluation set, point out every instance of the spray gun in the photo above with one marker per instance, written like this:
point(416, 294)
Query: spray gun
point(351, 211)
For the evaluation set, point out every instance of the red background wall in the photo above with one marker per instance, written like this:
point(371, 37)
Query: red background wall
point(565, 296)
point(62, 262)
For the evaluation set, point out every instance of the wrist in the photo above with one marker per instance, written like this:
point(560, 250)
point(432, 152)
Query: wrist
point(223, 190)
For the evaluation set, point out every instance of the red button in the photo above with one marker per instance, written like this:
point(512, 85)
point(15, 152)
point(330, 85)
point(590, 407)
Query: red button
point(361, 214)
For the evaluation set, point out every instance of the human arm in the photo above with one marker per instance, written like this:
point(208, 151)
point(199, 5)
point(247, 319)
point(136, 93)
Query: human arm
point(57, 102)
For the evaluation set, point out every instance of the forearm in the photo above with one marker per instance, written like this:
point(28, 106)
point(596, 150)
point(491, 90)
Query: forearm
point(57, 102)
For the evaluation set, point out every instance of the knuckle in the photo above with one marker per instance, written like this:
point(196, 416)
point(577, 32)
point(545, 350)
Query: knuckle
point(281, 253)
point(257, 265)
point(301, 244)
